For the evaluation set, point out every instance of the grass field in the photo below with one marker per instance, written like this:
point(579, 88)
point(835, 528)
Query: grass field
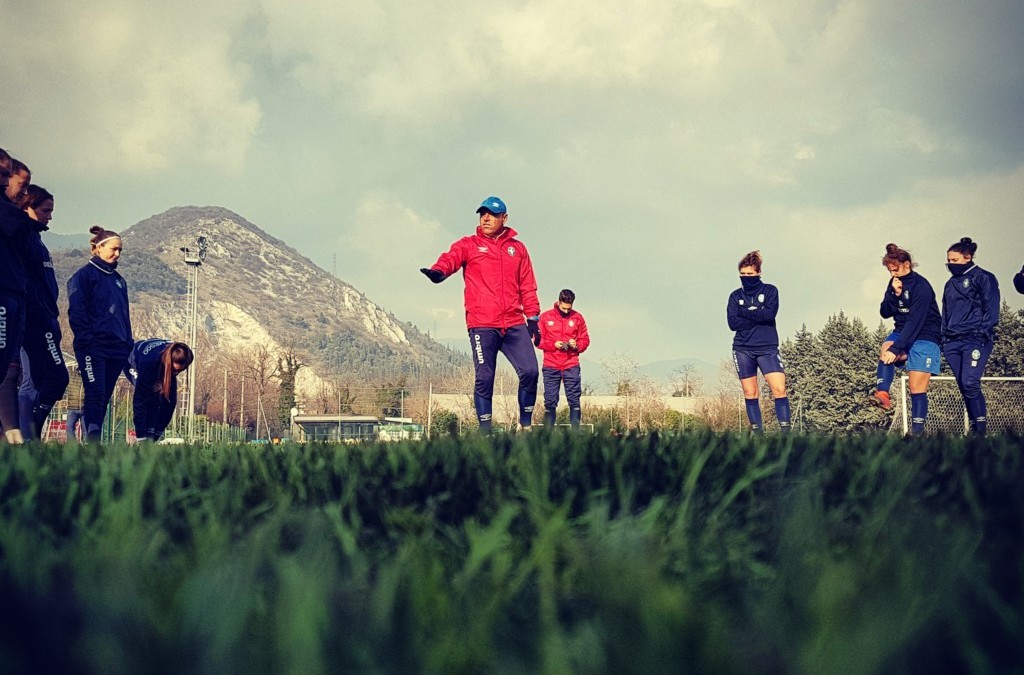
point(540, 553)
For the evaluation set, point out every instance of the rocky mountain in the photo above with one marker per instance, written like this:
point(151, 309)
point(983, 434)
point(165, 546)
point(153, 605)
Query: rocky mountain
point(255, 289)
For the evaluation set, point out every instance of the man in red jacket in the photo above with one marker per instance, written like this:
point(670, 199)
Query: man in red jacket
point(564, 337)
point(501, 306)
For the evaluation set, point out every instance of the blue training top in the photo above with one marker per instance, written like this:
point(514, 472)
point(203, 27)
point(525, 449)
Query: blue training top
point(98, 310)
point(752, 315)
point(42, 291)
point(970, 306)
point(143, 369)
point(14, 223)
point(922, 319)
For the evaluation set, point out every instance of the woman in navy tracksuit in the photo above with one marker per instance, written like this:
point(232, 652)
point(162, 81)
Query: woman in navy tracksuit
point(42, 330)
point(751, 312)
point(970, 312)
point(153, 369)
point(920, 334)
point(14, 223)
point(98, 314)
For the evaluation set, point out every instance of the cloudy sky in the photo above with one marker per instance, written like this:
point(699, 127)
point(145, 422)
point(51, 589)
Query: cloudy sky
point(641, 149)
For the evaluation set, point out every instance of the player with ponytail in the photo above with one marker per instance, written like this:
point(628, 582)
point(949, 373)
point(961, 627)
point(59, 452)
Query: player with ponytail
point(970, 312)
point(99, 317)
point(910, 299)
point(153, 369)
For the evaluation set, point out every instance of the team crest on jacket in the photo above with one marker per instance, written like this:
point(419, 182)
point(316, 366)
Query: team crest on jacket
point(906, 294)
point(760, 298)
point(976, 354)
point(118, 282)
point(572, 323)
point(511, 250)
point(967, 283)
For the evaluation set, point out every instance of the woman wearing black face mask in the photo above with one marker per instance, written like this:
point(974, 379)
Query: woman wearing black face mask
point(970, 312)
point(751, 312)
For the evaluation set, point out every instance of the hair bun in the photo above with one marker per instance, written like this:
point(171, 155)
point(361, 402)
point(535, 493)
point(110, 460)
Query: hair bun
point(96, 229)
point(891, 248)
point(966, 240)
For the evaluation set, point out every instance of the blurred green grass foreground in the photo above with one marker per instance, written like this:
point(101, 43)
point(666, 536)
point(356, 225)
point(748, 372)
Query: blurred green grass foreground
point(536, 553)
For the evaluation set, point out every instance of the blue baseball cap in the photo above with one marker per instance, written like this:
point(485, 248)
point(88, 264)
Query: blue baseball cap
point(494, 205)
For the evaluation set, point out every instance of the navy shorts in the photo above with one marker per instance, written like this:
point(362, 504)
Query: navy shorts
point(748, 362)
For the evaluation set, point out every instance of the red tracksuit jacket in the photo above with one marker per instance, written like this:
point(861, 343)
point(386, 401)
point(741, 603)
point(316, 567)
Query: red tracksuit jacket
point(557, 328)
point(501, 290)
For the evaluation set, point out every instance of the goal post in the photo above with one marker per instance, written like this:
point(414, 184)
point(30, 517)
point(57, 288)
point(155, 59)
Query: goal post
point(947, 413)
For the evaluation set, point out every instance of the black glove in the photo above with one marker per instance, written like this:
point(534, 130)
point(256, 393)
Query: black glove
point(534, 330)
point(434, 275)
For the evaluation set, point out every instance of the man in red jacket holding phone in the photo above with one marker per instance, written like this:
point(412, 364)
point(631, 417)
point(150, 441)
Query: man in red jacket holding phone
point(502, 309)
point(564, 337)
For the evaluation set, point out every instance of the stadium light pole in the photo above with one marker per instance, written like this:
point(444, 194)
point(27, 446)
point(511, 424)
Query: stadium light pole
point(194, 258)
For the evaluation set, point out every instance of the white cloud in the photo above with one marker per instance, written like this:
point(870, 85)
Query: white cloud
point(128, 85)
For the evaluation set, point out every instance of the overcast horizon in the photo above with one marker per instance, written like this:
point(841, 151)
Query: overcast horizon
point(641, 150)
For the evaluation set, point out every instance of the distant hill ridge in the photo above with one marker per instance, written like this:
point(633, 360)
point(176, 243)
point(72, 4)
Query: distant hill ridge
point(254, 288)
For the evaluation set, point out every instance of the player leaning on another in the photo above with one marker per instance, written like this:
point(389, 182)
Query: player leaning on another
point(501, 306)
point(751, 312)
point(970, 312)
point(920, 334)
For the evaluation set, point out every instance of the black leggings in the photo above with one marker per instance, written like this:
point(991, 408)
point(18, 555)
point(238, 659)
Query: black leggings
point(46, 363)
point(99, 377)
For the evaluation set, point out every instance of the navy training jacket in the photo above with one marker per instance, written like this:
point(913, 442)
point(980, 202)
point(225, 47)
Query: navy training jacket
point(42, 291)
point(143, 369)
point(14, 224)
point(970, 306)
point(894, 307)
point(98, 310)
point(752, 316)
point(923, 321)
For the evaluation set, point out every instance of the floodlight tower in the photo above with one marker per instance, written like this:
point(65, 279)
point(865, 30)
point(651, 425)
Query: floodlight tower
point(194, 258)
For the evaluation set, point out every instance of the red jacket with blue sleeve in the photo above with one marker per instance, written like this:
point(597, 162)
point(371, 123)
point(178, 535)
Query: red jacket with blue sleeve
point(558, 327)
point(501, 290)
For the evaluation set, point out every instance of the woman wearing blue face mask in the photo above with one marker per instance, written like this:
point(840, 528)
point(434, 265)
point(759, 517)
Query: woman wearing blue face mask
point(970, 312)
point(751, 312)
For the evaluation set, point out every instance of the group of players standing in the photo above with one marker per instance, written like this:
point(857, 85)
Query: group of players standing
point(501, 291)
point(502, 315)
point(964, 332)
point(98, 313)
